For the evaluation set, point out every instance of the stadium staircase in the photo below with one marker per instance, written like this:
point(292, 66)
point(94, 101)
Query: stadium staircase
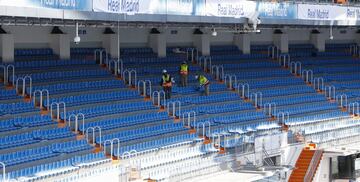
point(306, 165)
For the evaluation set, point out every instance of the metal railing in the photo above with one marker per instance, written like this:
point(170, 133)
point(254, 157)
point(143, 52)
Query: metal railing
point(6, 70)
point(313, 165)
point(342, 100)
point(58, 105)
point(130, 77)
point(41, 98)
point(118, 66)
point(24, 83)
point(188, 117)
point(100, 53)
point(203, 124)
point(143, 85)
point(174, 108)
point(257, 99)
point(76, 117)
point(93, 131)
point(229, 80)
point(307, 76)
point(244, 90)
point(295, 68)
point(319, 84)
point(273, 52)
point(190, 52)
point(284, 60)
point(330, 92)
point(218, 72)
point(156, 96)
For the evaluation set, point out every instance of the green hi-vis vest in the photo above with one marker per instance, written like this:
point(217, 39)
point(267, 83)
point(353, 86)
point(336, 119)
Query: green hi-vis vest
point(203, 80)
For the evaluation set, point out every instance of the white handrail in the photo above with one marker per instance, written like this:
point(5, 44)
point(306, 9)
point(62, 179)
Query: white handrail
point(23, 80)
point(244, 91)
point(295, 68)
point(284, 116)
point(343, 98)
point(174, 108)
point(131, 74)
point(76, 116)
point(353, 108)
point(93, 129)
point(8, 67)
point(4, 171)
point(190, 116)
point(219, 72)
point(41, 92)
point(229, 80)
point(284, 60)
point(319, 84)
point(4, 72)
point(330, 92)
point(207, 63)
point(270, 108)
point(257, 98)
point(144, 84)
point(158, 94)
point(58, 109)
point(203, 124)
point(307, 76)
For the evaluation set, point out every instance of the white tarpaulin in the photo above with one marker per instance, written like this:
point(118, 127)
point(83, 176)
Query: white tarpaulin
point(230, 8)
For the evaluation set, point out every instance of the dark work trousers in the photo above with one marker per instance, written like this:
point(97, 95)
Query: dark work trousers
point(207, 89)
point(167, 91)
point(184, 80)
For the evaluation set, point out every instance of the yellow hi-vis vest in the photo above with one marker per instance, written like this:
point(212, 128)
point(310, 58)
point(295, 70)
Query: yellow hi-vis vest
point(184, 69)
point(203, 80)
point(166, 80)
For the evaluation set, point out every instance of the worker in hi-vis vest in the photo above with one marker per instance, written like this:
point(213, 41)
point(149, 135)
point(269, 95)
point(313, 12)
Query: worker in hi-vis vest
point(166, 83)
point(204, 82)
point(184, 71)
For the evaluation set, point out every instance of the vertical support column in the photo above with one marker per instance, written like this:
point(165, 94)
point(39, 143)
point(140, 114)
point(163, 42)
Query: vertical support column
point(318, 40)
point(158, 43)
point(282, 42)
point(60, 44)
point(7, 48)
point(202, 43)
point(243, 41)
point(110, 43)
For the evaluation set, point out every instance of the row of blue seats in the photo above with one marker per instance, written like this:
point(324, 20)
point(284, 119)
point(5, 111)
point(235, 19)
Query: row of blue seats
point(8, 94)
point(219, 58)
point(17, 107)
point(118, 108)
point(346, 85)
point(84, 50)
point(29, 155)
point(339, 45)
point(219, 108)
point(95, 98)
point(158, 70)
point(306, 98)
point(252, 64)
point(337, 69)
point(333, 53)
point(162, 142)
point(290, 90)
point(301, 54)
point(342, 61)
point(307, 119)
point(273, 82)
point(126, 121)
point(222, 97)
point(224, 48)
point(341, 77)
point(261, 74)
point(152, 60)
point(66, 75)
point(51, 63)
point(238, 118)
point(68, 163)
point(79, 86)
point(260, 47)
point(142, 133)
point(301, 46)
point(33, 52)
point(34, 137)
point(311, 107)
point(136, 50)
